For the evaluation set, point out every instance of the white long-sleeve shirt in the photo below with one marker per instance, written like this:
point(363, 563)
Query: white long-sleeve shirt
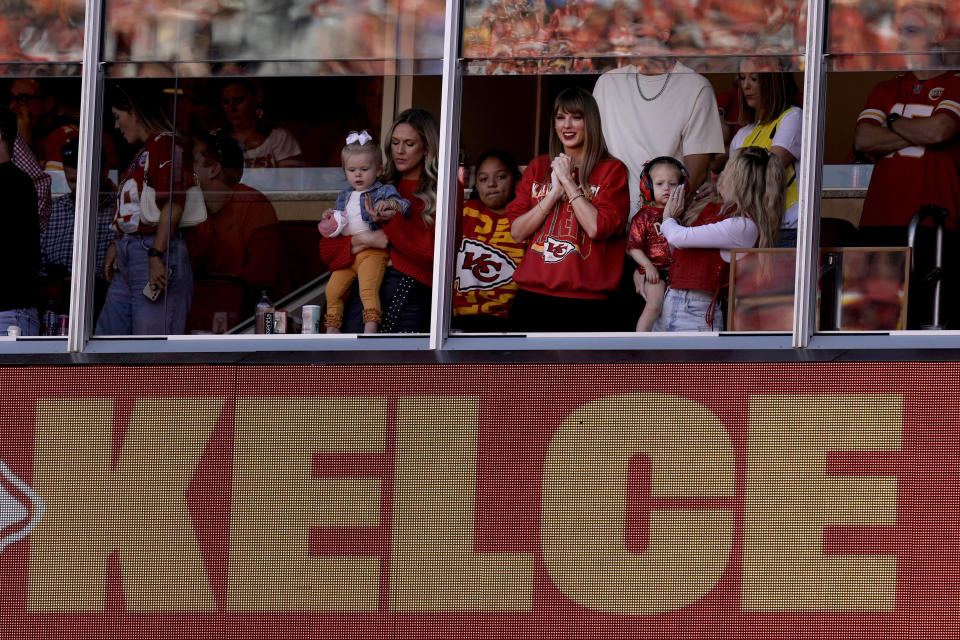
point(730, 233)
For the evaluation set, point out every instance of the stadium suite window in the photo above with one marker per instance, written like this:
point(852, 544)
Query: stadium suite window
point(567, 19)
point(891, 62)
point(286, 82)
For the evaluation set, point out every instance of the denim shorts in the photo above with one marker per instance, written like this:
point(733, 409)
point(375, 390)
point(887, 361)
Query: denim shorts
point(686, 310)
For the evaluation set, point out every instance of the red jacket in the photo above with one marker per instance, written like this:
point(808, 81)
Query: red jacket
point(561, 260)
point(701, 269)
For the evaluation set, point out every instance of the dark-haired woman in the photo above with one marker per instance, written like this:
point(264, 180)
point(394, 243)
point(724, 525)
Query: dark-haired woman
point(571, 208)
point(772, 121)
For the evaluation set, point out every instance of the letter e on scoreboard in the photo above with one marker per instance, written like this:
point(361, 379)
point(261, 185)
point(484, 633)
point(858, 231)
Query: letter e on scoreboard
point(276, 501)
point(790, 500)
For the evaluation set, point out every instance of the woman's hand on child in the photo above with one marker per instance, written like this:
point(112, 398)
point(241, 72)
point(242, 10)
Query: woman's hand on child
point(706, 190)
point(382, 211)
point(674, 204)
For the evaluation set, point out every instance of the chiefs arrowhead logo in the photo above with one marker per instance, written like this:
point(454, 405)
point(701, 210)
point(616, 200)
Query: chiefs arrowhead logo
point(556, 250)
point(480, 266)
point(20, 508)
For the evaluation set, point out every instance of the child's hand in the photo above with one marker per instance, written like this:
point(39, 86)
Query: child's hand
point(383, 211)
point(330, 226)
point(638, 282)
point(652, 275)
point(326, 214)
point(674, 204)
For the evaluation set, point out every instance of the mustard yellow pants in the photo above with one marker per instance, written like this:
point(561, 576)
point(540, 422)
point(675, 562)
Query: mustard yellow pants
point(367, 269)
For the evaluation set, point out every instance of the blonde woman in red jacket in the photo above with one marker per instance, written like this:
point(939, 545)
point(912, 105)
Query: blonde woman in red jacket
point(571, 208)
point(411, 166)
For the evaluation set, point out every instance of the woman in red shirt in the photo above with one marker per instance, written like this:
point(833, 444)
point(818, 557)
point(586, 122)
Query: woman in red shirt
point(411, 166)
point(571, 208)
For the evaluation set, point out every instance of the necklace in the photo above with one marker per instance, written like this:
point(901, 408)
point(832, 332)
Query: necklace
point(636, 79)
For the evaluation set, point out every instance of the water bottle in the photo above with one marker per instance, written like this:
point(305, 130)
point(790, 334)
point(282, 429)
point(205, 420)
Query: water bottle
point(265, 314)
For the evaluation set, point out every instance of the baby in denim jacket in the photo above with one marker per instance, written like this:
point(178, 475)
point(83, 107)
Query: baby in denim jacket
point(356, 210)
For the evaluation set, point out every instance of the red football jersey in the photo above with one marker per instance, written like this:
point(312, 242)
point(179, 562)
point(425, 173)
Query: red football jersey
point(488, 255)
point(907, 179)
point(645, 235)
point(164, 165)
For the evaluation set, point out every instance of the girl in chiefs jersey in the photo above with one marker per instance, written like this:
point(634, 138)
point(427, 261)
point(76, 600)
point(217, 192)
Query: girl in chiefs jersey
point(146, 258)
point(483, 286)
point(571, 208)
point(746, 214)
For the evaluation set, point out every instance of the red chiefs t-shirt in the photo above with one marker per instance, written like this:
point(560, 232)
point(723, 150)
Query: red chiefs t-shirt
point(905, 180)
point(645, 235)
point(486, 259)
point(164, 165)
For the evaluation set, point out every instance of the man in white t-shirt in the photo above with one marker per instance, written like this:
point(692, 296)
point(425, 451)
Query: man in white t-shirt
point(659, 107)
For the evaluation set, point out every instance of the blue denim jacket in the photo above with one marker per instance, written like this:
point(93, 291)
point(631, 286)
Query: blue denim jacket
point(378, 191)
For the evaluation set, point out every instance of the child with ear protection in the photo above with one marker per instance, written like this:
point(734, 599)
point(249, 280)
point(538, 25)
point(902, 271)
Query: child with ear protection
point(645, 244)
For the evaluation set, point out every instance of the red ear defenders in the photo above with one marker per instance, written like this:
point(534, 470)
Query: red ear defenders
point(646, 183)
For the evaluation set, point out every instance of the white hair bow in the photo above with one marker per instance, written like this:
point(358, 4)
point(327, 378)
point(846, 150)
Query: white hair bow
point(361, 138)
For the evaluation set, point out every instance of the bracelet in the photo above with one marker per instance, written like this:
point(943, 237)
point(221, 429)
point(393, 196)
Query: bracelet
point(571, 200)
point(155, 253)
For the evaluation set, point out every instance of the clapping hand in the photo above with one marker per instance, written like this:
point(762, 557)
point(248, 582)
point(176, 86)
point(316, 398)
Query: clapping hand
point(562, 167)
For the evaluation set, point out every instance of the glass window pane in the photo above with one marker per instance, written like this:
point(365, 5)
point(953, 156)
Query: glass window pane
point(44, 112)
point(648, 109)
point(352, 37)
point(905, 33)
point(35, 31)
point(539, 37)
point(891, 153)
point(265, 153)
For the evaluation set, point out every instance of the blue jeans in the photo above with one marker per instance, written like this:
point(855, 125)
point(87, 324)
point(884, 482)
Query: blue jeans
point(686, 310)
point(127, 311)
point(27, 319)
